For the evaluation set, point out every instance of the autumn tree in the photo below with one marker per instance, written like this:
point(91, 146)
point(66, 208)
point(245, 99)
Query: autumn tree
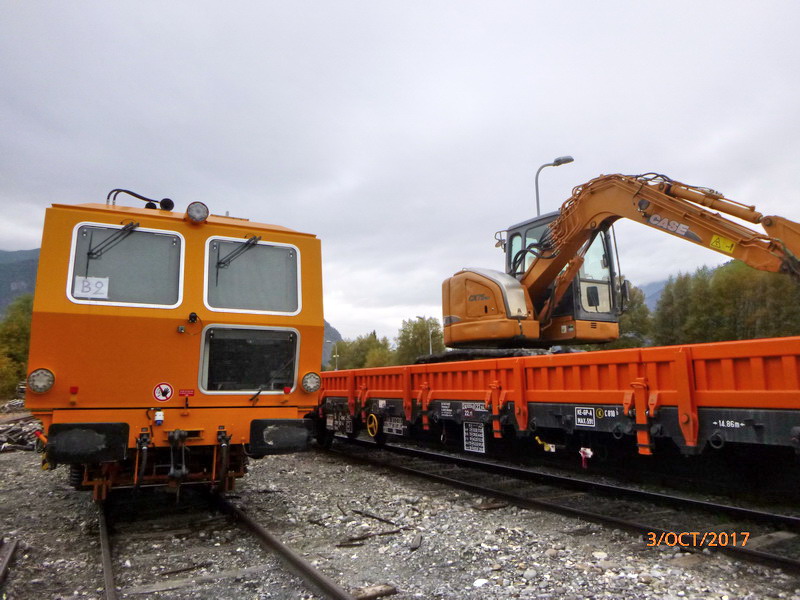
point(15, 331)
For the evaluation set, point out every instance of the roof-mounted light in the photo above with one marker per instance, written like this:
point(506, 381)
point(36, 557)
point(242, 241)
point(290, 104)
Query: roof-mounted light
point(197, 212)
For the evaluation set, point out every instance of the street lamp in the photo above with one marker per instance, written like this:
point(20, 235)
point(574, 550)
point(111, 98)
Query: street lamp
point(561, 160)
point(430, 333)
point(335, 354)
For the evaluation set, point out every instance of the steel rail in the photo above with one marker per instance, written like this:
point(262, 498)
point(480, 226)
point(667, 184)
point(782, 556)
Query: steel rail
point(316, 579)
point(105, 551)
point(6, 552)
point(606, 489)
point(766, 558)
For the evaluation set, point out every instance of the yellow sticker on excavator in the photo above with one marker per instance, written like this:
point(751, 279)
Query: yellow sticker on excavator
point(722, 243)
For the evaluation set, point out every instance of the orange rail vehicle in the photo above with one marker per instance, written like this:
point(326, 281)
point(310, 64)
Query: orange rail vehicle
point(167, 347)
point(745, 392)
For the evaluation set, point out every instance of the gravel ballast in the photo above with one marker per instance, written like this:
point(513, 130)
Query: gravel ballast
point(364, 526)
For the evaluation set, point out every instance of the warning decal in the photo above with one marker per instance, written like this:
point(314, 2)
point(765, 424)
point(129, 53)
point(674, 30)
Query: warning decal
point(722, 244)
point(163, 392)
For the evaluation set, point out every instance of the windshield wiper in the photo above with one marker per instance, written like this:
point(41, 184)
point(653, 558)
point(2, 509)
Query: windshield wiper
point(254, 397)
point(225, 262)
point(232, 256)
point(111, 241)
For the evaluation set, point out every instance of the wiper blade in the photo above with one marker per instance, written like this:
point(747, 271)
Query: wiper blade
point(225, 262)
point(232, 256)
point(111, 241)
point(254, 397)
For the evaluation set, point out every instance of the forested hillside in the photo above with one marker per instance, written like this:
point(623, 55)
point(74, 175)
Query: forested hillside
point(731, 302)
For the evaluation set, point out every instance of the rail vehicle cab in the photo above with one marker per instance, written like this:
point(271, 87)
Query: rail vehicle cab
point(590, 307)
point(168, 346)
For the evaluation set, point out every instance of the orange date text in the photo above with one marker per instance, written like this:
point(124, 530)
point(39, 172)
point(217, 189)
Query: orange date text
point(697, 539)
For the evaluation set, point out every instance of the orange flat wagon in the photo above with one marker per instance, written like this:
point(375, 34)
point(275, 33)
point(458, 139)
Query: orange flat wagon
point(742, 392)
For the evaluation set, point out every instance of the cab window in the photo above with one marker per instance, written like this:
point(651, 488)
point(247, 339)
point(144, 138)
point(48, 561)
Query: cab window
point(126, 265)
point(239, 359)
point(514, 246)
point(595, 273)
point(249, 275)
point(533, 236)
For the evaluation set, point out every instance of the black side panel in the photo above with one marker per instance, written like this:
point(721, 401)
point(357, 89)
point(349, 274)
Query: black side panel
point(280, 436)
point(87, 442)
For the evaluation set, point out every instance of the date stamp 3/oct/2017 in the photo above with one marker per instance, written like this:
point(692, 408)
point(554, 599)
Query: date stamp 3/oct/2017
point(697, 539)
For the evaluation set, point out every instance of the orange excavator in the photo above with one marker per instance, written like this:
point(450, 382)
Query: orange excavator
point(561, 282)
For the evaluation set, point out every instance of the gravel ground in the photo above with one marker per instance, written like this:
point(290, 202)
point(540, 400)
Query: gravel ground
point(319, 505)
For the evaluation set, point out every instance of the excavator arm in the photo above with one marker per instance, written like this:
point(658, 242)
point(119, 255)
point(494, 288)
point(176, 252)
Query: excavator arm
point(478, 306)
point(669, 206)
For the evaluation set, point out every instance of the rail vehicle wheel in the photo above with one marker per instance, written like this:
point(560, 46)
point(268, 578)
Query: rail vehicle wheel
point(375, 429)
point(75, 478)
point(323, 435)
point(357, 426)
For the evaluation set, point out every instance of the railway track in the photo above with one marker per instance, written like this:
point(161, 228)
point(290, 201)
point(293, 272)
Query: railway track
point(662, 518)
point(198, 551)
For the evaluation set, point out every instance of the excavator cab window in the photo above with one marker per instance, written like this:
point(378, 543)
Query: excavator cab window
point(594, 278)
point(523, 240)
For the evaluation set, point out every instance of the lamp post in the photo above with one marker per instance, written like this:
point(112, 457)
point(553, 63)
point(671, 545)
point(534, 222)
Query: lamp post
point(335, 355)
point(561, 160)
point(430, 333)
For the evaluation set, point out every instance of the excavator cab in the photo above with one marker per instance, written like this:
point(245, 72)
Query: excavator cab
point(590, 298)
point(591, 294)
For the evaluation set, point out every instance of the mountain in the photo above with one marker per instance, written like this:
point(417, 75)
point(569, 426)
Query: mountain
point(652, 293)
point(17, 274)
point(332, 336)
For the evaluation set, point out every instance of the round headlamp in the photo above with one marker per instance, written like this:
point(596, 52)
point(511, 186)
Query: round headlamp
point(197, 212)
point(311, 382)
point(41, 380)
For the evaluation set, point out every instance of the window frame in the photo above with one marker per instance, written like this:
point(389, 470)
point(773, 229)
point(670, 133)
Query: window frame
point(250, 311)
point(71, 271)
point(201, 371)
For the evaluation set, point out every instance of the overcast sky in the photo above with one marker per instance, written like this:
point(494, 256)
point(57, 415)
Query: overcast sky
point(403, 134)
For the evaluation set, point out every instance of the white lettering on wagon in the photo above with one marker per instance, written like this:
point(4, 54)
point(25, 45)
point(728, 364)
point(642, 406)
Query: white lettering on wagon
point(474, 438)
point(584, 416)
point(468, 409)
point(728, 424)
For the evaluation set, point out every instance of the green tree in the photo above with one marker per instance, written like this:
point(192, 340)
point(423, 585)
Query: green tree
point(15, 332)
point(731, 302)
point(703, 320)
point(364, 351)
point(417, 337)
point(634, 324)
point(753, 304)
point(669, 321)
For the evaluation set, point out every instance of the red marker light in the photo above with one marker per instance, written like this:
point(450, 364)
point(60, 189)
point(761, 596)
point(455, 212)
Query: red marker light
point(287, 390)
point(73, 389)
